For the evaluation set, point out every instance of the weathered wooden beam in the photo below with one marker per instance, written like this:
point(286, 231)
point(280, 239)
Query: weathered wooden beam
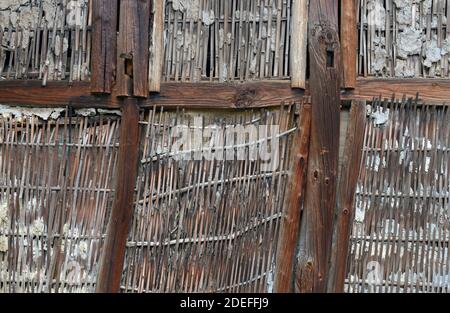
point(198, 95)
point(434, 91)
point(349, 42)
point(111, 263)
point(55, 94)
point(215, 95)
point(104, 41)
point(156, 47)
point(133, 48)
point(348, 180)
point(320, 201)
point(299, 43)
point(289, 231)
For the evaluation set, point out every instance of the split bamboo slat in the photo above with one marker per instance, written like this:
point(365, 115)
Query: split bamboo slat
point(45, 40)
point(233, 40)
point(57, 169)
point(204, 225)
point(404, 38)
point(401, 232)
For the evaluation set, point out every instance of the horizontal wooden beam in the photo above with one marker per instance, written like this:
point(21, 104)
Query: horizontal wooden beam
point(435, 91)
point(197, 95)
point(54, 94)
point(214, 95)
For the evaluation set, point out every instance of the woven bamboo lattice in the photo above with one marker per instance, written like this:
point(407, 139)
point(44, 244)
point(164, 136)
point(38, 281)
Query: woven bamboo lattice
point(56, 180)
point(226, 40)
point(401, 232)
point(207, 225)
point(404, 38)
point(45, 39)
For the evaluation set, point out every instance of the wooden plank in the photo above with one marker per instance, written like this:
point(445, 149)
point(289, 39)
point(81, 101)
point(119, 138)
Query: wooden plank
point(104, 41)
point(55, 94)
point(141, 49)
point(214, 95)
point(436, 91)
point(133, 46)
point(233, 95)
point(346, 196)
point(198, 95)
point(349, 42)
point(157, 47)
point(125, 45)
point(112, 260)
point(325, 82)
point(289, 232)
point(299, 43)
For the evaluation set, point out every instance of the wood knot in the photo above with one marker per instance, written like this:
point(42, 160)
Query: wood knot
point(326, 35)
point(316, 175)
point(244, 97)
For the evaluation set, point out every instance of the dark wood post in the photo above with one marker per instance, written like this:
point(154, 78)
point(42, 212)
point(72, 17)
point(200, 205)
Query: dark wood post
point(132, 81)
point(122, 212)
point(289, 232)
point(346, 196)
point(133, 48)
point(325, 83)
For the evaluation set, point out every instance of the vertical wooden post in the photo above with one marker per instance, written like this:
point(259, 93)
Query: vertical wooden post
point(122, 212)
point(156, 47)
point(287, 242)
point(325, 82)
point(133, 48)
point(349, 39)
point(299, 43)
point(104, 41)
point(346, 196)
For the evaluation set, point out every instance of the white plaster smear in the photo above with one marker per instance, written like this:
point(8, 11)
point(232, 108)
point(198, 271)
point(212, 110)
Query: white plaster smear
point(49, 113)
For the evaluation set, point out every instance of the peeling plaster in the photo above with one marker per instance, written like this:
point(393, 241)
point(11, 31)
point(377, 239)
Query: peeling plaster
point(19, 112)
point(412, 44)
point(49, 113)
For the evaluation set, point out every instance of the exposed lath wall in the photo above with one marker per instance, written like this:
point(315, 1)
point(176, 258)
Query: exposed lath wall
point(404, 38)
point(227, 40)
point(206, 226)
point(401, 233)
point(56, 189)
point(45, 39)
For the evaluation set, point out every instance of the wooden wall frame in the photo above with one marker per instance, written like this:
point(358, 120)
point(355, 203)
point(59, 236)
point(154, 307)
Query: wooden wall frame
point(112, 87)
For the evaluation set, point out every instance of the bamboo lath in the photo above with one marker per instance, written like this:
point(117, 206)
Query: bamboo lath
point(227, 40)
point(401, 231)
point(404, 38)
point(207, 225)
point(56, 188)
point(45, 39)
